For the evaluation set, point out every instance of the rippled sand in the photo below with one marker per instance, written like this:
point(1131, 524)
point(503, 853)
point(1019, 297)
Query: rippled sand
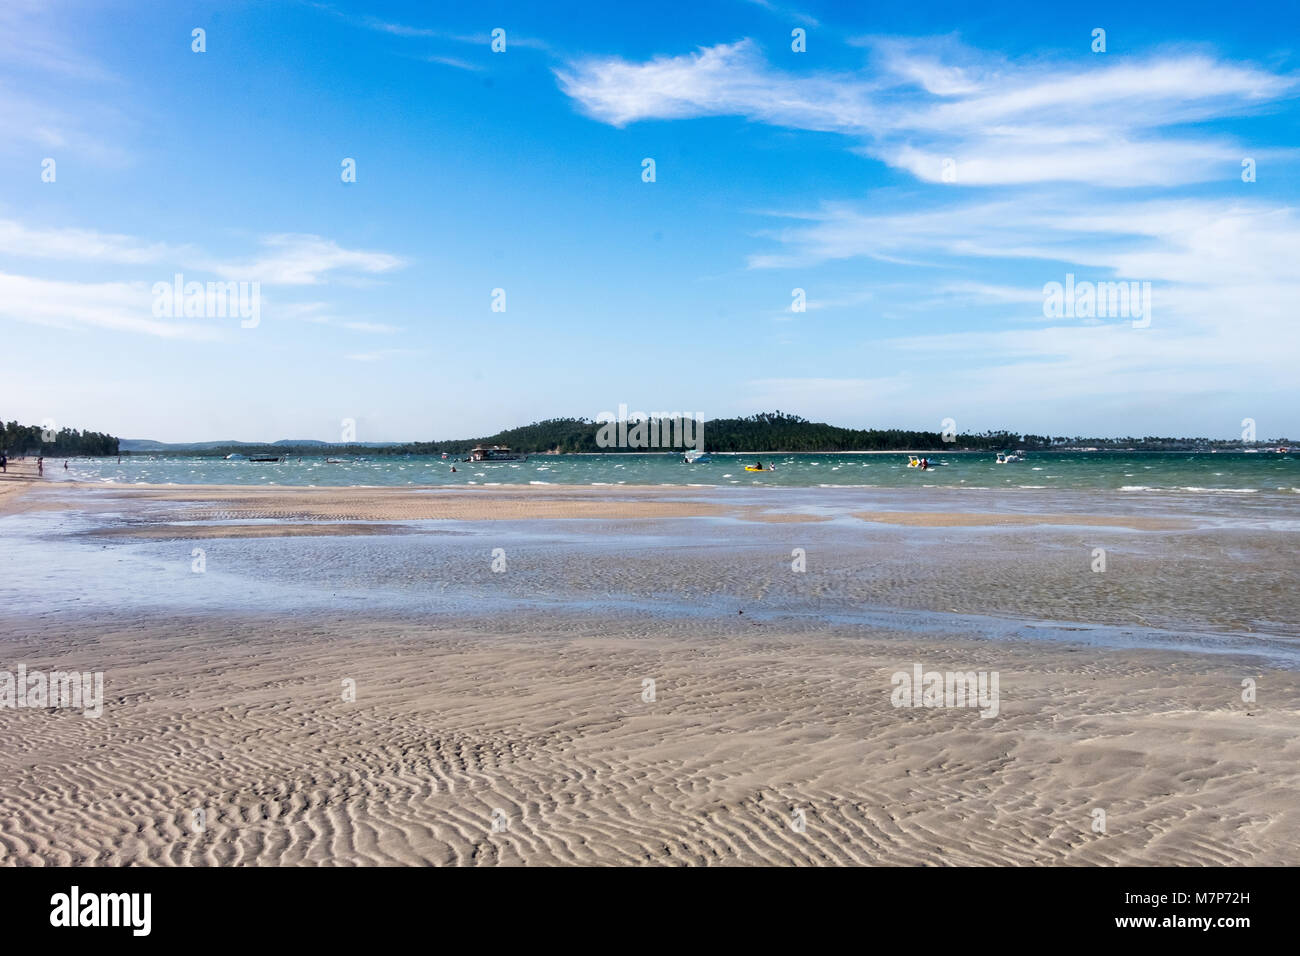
point(545, 727)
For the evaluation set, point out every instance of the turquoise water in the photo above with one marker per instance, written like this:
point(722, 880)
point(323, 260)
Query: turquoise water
point(1136, 473)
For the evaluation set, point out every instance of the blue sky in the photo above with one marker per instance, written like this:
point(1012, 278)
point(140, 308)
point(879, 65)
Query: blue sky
point(822, 170)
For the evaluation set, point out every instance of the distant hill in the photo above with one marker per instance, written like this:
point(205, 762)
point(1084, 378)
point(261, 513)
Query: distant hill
point(766, 432)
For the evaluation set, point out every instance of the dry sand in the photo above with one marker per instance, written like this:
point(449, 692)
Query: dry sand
point(245, 720)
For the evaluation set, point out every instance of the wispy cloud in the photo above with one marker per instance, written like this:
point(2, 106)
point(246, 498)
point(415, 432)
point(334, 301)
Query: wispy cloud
point(303, 259)
point(996, 122)
point(55, 100)
point(85, 245)
point(394, 28)
point(30, 36)
point(117, 306)
point(380, 354)
point(284, 260)
point(455, 62)
point(789, 12)
point(320, 313)
point(1223, 294)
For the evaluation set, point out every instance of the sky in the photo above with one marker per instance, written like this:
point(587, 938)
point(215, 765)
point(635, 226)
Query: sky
point(922, 172)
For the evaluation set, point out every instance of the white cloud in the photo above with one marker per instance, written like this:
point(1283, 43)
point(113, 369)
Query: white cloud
point(1001, 123)
point(82, 245)
point(126, 306)
point(789, 12)
point(1223, 289)
point(455, 62)
point(319, 313)
point(118, 306)
point(300, 259)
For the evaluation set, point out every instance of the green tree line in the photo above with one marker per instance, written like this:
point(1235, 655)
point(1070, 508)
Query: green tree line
point(763, 432)
point(66, 442)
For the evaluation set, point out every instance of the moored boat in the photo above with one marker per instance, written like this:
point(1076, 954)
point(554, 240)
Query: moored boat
point(482, 453)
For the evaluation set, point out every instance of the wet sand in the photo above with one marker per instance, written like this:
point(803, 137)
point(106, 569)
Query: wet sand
point(504, 718)
point(948, 519)
point(17, 478)
point(235, 502)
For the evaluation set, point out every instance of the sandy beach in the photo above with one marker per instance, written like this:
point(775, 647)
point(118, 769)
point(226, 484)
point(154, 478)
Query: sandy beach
point(647, 681)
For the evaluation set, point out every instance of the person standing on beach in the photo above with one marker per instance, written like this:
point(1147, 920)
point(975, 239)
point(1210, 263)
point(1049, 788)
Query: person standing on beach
point(40, 464)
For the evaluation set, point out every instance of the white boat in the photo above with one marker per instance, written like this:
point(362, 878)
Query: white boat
point(1006, 459)
point(495, 453)
point(236, 457)
point(693, 456)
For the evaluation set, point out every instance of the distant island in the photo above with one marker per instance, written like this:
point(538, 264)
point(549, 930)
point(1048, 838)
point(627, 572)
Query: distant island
point(763, 432)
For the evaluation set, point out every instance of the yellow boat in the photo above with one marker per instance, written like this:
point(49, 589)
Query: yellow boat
point(752, 468)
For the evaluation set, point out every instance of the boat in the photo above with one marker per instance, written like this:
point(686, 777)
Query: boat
point(276, 458)
point(336, 461)
point(923, 464)
point(694, 456)
point(1006, 458)
point(235, 456)
point(495, 453)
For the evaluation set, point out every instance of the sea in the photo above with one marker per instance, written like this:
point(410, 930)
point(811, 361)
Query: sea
point(1132, 473)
